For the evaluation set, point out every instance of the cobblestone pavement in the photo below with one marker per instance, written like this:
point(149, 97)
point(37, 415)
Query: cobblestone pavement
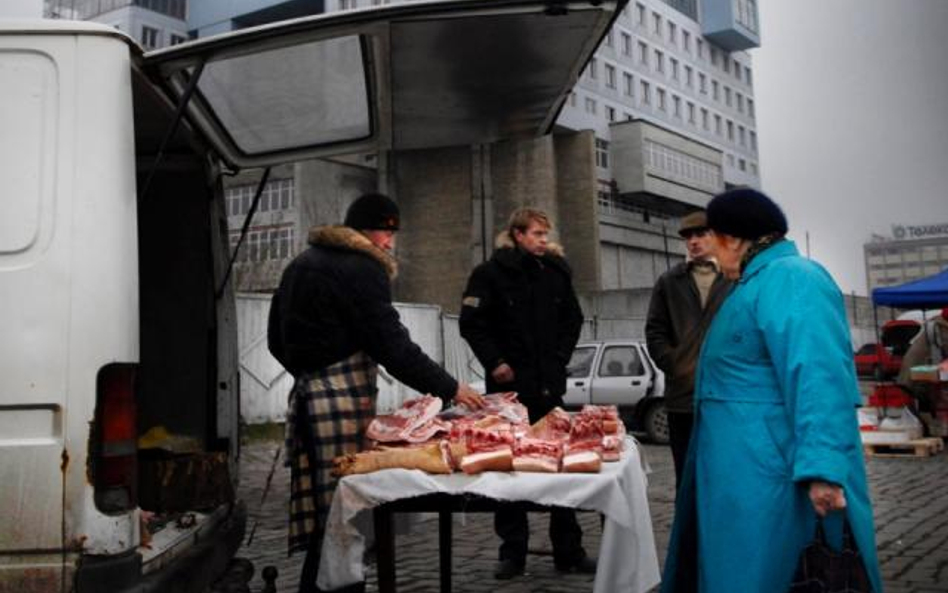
point(910, 497)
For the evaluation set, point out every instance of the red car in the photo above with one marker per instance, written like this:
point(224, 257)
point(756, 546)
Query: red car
point(884, 359)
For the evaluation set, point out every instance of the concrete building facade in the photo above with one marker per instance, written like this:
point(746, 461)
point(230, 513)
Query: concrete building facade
point(153, 23)
point(910, 253)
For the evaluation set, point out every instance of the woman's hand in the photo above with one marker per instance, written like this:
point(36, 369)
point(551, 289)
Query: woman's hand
point(826, 497)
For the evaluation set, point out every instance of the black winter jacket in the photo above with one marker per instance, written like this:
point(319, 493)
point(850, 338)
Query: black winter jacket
point(675, 329)
point(521, 310)
point(334, 300)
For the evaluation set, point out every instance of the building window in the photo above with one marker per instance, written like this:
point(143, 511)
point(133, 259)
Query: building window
point(717, 124)
point(674, 68)
point(643, 53)
point(726, 63)
point(149, 37)
point(628, 83)
point(172, 8)
point(727, 96)
point(689, 76)
point(676, 105)
point(753, 140)
point(659, 61)
point(592, 69)
point(610, 39)
point(610, 76)
point(672, 33)
point(278, 194)
point(691, 113)
point(590, 105)
point(730, 130)
point(702, 83)
point(704, 119)
point(740, 102)
point(602, 153)
point(661, 99)
point(657, 24)
point(747, 75)
point(175, 39)
point(714, 56)
point(699, 42)
point(741, 136)
point(742, 164)
point(737, 70)
point(686, 41)
point(682, 167)
point(646, 93)
point(750, 107)
point(714, 90)
point(640, 13)
point(610, 113)
point(627, 44)
point(753, 167)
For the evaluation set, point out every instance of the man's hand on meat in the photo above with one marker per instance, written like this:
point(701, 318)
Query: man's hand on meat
point(468, 397)
point(503, 373)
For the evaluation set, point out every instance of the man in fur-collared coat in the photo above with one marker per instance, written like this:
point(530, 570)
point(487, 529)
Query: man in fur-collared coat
point(331, 322)
point(521, 317)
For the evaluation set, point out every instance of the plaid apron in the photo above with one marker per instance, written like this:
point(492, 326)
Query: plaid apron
point(328, 413)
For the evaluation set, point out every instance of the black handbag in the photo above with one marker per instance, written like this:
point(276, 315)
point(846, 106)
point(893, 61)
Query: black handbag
point(821, 569)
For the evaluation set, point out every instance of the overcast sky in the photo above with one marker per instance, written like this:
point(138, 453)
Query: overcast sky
point(852, 116)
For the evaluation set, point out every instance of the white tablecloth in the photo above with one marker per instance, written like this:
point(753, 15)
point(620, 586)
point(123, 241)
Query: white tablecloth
point(627, 558)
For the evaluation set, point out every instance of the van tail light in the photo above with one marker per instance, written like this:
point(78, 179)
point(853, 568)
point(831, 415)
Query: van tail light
point(114, 460)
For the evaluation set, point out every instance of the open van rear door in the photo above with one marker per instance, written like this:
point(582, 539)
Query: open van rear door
point(417, 75)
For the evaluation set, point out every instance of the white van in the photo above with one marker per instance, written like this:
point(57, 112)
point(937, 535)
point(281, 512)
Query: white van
point(117, 318)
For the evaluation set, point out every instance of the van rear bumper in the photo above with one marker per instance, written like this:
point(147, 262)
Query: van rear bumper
point(191, 572)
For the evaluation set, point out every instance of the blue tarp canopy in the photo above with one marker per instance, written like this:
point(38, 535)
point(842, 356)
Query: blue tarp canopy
point(930, 292)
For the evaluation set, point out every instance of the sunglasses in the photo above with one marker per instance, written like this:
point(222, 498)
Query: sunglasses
point(687, 234)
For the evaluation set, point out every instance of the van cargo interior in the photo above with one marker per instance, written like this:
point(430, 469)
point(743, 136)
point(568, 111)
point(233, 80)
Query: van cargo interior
point(177, 380)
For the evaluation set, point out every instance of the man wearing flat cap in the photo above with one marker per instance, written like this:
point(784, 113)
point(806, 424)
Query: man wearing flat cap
point(331, 323)
point(684, 301)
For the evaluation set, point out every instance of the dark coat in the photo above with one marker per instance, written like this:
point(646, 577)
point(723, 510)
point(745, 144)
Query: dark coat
point(521, 310)
point(675, 329)
point(334, 300)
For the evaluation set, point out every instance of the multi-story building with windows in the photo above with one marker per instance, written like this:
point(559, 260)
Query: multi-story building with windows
point(912, 252)
point(154, 23)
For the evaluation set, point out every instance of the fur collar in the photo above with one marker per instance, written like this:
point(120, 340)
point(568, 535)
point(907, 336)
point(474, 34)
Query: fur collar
point(504, 241)
point(343, 237)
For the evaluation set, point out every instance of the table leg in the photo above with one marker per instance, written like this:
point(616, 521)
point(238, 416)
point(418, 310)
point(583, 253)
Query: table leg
point(445, 526)
point(384, 549)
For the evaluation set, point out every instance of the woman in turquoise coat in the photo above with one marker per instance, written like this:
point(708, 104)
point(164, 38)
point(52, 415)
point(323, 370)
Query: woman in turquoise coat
point(776, 441)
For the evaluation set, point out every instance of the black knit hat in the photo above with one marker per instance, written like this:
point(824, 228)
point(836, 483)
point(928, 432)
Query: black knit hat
point(745, 213)
point(373, 212)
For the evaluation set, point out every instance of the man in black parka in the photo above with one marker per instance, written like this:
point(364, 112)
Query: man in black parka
point(331, 322)
point(522, 320)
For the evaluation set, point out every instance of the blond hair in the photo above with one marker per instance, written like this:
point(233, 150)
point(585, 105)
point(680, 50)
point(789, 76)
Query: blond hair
point(521, 218)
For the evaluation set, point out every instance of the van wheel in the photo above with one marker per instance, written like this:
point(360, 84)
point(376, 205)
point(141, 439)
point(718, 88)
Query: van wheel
point(655, 422)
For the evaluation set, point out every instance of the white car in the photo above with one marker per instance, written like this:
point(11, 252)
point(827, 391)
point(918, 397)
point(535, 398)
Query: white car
point(619, 373)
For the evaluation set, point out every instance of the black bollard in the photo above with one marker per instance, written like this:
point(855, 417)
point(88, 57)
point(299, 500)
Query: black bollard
point(269, 578)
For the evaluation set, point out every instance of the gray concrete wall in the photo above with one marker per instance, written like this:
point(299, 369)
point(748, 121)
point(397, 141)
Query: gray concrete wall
point(433, 188)
point(445, 194)
point(523, 173)
point(579, 217)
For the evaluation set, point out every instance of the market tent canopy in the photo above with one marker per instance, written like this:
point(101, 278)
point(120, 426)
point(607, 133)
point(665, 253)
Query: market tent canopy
point(930, 292)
